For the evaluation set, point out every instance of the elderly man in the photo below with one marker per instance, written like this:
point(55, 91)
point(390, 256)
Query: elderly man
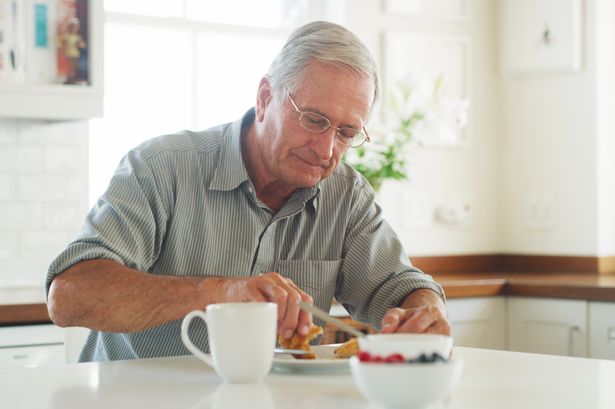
point(261, 209)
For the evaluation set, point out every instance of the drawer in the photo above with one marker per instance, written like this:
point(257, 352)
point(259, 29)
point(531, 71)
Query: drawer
point(32, 355)
point(479, 322)
point(602, 330)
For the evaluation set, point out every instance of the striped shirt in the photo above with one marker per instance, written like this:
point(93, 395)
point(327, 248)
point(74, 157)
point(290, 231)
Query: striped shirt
point(184, 205)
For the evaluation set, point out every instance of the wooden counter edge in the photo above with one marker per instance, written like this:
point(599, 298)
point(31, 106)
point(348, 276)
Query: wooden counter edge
point(20, 314)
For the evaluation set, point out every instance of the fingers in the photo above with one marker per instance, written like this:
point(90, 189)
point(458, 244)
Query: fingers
point(305, 318)
point(427, 319)
point(392, 319)
point(285, 293)
point(441, 327)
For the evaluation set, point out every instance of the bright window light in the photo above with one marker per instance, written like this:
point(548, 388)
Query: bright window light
point(226, 86)
point(160, 8)
point(148, 92)
point(262, 13)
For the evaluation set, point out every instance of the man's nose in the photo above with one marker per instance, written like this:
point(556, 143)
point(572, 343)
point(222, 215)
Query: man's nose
point(324, 143)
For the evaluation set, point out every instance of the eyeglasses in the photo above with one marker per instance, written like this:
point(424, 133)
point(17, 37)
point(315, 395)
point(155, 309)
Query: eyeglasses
point(313, 122)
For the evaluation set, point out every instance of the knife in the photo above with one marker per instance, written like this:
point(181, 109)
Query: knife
point(317, 312)
point(291, 351)
point(13, 51)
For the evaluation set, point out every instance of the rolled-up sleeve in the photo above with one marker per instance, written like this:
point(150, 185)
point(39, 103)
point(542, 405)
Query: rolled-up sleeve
point(376, 274)
point(127, 224)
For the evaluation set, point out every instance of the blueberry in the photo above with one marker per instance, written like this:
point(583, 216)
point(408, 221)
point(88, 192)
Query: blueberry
point(423, 358)
point(435, 357)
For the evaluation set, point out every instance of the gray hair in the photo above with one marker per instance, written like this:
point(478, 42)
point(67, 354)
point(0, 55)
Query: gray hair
point(324, 41)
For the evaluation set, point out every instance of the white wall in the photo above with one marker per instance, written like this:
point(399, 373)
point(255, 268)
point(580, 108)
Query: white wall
point(557, 151)
point(605, 117)
point(43, 195)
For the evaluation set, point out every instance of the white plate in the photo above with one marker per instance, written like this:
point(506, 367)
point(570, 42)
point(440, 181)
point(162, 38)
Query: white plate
point(325, 361)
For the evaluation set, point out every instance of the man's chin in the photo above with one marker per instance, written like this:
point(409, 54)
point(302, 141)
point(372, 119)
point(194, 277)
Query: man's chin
point(307, 182)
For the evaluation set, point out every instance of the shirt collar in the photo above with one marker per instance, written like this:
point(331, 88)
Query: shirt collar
point(231, 170)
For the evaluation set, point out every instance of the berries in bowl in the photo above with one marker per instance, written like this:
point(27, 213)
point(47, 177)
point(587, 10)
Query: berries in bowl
point(365, 356)
point(409, 346)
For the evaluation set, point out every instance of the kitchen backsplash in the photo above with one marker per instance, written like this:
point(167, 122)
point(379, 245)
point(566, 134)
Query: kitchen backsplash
point(43, 195)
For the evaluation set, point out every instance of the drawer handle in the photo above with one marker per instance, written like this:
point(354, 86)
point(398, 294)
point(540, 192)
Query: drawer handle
point(20, 356)
point(572, 335)
point(611, 334)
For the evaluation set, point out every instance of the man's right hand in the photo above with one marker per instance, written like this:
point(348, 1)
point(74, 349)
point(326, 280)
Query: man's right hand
point(271, 287)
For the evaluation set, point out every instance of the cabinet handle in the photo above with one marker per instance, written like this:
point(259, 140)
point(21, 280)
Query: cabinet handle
point(572, 331)
point(610, 334)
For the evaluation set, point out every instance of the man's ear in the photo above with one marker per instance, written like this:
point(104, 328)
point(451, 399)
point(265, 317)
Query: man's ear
point(263, 98)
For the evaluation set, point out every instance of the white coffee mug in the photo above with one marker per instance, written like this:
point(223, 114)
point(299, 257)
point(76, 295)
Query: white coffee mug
point(242, 337)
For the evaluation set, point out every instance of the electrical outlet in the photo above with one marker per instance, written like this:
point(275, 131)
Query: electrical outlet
point(542, 212)
point(455, 212)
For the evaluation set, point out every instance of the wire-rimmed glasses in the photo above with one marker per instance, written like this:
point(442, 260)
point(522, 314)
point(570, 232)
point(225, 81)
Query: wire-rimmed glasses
point(313, 122)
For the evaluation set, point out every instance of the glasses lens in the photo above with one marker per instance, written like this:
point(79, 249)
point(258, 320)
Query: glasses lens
point(348, 136)
point(314, 122)
point(351, 137)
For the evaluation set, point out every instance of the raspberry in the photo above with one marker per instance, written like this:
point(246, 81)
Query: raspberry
point(364, 356)
point(377, 359)
point(394, 359)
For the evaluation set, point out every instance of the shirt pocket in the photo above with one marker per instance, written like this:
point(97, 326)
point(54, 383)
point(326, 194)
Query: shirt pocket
point(312, 276)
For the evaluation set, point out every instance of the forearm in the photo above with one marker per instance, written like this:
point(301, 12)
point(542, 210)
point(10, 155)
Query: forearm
point(107, 296)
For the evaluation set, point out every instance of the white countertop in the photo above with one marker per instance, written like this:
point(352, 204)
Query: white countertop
point(491, 379)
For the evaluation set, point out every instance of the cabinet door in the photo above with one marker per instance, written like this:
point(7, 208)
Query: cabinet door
point(32, 355)
point(31, 345)
point(478, 322)
point(602, 330)
point(547, 326)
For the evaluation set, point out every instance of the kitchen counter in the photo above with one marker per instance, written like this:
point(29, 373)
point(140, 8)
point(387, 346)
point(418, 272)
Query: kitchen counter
point(490, 379)
point(27, 306)
point(23, 306)
point(590, 287)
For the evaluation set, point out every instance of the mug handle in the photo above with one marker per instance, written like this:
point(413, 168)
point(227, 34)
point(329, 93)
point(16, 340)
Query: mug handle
point(186, 338)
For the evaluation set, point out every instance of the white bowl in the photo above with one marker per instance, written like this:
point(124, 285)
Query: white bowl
point(410, 346)
point(406, 385)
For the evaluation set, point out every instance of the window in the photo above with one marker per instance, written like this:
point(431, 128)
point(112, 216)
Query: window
point(172, 65)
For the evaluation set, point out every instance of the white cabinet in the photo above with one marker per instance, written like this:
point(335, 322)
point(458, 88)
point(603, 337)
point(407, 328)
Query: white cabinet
point(31, 345)
point(478, 322)
point(602, 330)
point(31, 97)
point(74, 340)
point(547, 326)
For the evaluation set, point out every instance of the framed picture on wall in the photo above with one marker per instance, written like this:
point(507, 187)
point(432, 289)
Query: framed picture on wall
point(540, 36)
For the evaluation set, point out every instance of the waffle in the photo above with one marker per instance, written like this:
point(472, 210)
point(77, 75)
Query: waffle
point(301, 342)
point(347, 349)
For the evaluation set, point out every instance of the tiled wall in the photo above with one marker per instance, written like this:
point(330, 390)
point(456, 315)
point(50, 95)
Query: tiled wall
point(43, 195)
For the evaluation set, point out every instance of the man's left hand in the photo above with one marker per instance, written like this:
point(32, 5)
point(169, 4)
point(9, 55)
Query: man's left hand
point(422, 311)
